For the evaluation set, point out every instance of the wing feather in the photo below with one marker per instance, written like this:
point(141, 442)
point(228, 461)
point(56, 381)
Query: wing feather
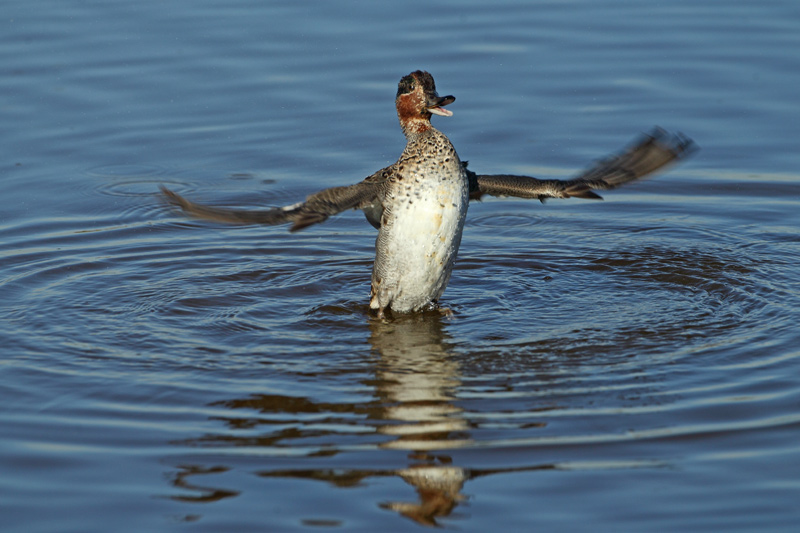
point(647, 155)
point(316, 208)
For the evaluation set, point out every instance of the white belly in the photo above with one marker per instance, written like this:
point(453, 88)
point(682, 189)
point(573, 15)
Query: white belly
point(417, 244)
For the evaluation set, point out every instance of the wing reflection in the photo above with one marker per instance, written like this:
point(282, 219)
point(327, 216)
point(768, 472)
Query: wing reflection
point(205, 494)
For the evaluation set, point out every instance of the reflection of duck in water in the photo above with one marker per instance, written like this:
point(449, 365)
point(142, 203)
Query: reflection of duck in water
point(419, 203)
point(414, 408)
point(417, 380)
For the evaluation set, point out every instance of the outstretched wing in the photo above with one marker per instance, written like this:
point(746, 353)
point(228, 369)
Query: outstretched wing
point(645, 156)
point(317, 207)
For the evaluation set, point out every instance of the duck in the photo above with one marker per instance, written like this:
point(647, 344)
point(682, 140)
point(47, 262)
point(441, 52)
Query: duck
point(419, 203)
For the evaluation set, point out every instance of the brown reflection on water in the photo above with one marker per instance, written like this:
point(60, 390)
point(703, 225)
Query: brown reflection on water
point(205, 494)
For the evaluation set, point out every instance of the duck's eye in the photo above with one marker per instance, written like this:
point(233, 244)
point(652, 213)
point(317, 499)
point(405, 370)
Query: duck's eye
point(407, 85)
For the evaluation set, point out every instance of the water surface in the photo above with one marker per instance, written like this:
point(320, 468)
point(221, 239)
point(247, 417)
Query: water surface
point(628, 365)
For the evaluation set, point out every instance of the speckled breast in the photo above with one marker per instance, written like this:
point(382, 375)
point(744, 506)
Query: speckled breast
point(420, 234)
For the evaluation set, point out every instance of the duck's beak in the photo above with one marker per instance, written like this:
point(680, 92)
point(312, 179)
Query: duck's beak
point(436, 103)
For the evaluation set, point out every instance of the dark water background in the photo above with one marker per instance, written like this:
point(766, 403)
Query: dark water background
point(625, 365)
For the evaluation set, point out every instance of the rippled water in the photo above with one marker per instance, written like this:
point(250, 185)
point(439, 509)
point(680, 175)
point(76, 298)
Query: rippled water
point(629, 365)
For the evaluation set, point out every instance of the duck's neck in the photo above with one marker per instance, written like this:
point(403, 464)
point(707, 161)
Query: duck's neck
point(414, 127)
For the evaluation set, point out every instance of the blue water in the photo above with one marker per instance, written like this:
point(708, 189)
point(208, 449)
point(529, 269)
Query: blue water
point(624, 365)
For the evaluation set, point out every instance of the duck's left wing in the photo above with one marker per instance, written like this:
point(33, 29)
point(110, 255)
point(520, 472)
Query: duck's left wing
point(646, 156)
point(317, 207)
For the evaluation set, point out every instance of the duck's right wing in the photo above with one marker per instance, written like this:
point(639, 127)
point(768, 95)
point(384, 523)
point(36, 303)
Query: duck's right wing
point(317, 207)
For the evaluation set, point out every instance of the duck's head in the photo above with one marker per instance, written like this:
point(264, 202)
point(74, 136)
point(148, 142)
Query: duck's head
point(417, 100)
